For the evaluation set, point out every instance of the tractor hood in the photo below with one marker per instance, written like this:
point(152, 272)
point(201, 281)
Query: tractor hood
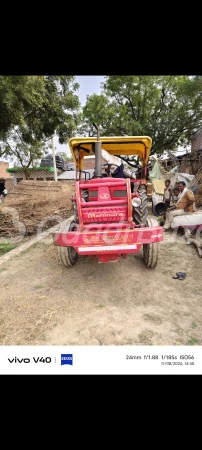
point(119, 146)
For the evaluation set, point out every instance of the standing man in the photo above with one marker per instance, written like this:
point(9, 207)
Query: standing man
point(183, 206)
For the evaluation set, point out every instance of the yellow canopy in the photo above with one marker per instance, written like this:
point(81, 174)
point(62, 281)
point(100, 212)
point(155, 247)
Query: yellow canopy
point(116, 145)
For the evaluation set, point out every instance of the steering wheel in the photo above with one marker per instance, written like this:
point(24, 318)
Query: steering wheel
point(114, 165)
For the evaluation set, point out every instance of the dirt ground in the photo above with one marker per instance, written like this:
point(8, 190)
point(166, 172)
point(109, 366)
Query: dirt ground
point(32, 205)
point(123, 303)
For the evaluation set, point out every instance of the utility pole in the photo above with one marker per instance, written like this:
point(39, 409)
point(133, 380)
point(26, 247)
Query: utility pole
point(53, 152)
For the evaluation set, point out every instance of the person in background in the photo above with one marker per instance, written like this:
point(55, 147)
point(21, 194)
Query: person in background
point(175, 196)
point(110, 160)
point(167, 194)
point(183, 206)
point(5, 192)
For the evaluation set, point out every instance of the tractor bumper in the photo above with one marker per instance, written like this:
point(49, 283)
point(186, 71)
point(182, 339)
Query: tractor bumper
point(117, 242)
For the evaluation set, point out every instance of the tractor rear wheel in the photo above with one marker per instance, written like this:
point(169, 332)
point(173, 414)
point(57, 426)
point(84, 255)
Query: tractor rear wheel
point(150, 251)
point(67, 255)
point(141, 212)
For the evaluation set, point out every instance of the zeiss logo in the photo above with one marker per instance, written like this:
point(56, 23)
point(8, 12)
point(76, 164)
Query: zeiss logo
point(67, 359)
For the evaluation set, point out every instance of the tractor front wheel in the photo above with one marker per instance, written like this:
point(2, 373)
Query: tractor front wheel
point(67, 255)
point(140, 213)
point(150, 251)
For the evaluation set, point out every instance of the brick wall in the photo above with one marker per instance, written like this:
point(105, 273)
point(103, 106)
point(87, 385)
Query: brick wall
point(196, 143)
point(9, 184)
point(185, 167)
point(40, 175)
point(89, 163)
point(191, 166)
point(3, 167)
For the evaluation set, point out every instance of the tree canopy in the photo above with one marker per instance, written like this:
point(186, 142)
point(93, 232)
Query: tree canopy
point(166, 108)
point(31, 109)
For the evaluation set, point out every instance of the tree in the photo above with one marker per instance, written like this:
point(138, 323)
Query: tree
point(32, 108)
point(25, 156)
point(61, 109)
point(19, 96)
point(166, 108)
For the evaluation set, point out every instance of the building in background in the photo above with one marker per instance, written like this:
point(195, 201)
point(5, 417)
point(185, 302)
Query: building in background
point(6, 179)
point(196, 143)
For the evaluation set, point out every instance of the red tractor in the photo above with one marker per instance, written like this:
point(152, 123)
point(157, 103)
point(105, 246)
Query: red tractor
point(110, 214)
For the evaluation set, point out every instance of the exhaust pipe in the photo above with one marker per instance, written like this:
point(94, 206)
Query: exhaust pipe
point(98, 154)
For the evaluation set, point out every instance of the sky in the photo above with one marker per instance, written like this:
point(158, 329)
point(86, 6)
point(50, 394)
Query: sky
point(89, 85)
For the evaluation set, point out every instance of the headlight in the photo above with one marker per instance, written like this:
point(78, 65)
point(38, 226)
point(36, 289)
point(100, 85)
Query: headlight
point(136, 201)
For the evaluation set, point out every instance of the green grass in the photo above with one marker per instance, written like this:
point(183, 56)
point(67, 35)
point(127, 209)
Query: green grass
point(38, 286)
point(6, 247)
point(193, 341)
